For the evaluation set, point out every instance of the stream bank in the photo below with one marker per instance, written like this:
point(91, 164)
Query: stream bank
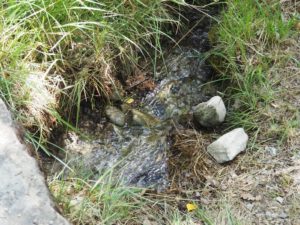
point(132, 138)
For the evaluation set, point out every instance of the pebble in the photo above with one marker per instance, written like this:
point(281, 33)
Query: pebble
point(271, 215)
point(249, 206)
point(279, 199)
point(283, 215)
point(271, 150)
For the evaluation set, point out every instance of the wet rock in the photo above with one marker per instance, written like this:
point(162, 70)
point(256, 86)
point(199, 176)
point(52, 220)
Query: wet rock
point(24, 197)
point(143, 119)
point(228, 146)
point(126, 108)
point(137, 156)
point(137, 152)
point(115, 115)
point(181, 85)
point(210, 113)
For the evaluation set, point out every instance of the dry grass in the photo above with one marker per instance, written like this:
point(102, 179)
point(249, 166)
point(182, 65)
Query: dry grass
point(189, 163)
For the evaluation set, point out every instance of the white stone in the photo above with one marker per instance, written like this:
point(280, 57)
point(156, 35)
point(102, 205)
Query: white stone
point(271, 150)
point(279, 199)
point(210, 113)
point(228, 146)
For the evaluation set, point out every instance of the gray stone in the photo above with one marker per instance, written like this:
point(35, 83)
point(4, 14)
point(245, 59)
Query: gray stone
point(228, 146)
point(24, 197)
point(283, 215)
point(136, 156)
point(210, 113)
point(115, 115)
point(143, 119)
point(271, 150)
point(271, 214)
point(182, 84)
point(5, 117)
point(249, 206)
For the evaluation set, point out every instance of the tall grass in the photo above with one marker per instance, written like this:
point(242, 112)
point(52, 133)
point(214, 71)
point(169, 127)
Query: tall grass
point(246, 45)
point(55, 54)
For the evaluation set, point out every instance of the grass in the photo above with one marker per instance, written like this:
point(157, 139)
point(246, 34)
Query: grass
point(56, 54)
point(247, 53)
point(252, 54)
point(84, 200)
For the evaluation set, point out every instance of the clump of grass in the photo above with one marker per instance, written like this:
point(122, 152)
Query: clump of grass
point(84, 200)
point(103, 201)
point(55, 54)
point(248, 48)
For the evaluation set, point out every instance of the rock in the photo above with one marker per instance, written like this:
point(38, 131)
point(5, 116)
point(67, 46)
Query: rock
point(229, 145)
point(210, 113)
point(271, 214)
point(126, 108)
point(115, 115)
point(183, 82)
point(271, 150)
point(24, 196)
point(143, 119)
point(283, 215)
point(137, 155)
point(249, 206)
point(279, 199)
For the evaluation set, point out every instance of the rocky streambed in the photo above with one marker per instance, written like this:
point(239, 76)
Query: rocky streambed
point(132, 141)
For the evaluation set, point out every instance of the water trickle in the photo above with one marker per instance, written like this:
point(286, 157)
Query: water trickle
point(137, 151)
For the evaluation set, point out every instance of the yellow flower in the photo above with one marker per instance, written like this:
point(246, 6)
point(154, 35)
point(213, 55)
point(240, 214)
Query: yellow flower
point(129, 100)
point(191, 207)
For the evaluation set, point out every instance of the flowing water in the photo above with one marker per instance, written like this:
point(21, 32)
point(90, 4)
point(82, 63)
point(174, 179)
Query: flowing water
point(136, 153)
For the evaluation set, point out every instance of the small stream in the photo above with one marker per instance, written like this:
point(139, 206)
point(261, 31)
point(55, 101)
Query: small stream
point(132, 141)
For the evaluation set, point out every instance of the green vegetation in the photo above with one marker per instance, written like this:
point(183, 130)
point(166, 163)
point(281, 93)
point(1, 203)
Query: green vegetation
point(248, 54)
point(55, 54)
point(87, 201)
